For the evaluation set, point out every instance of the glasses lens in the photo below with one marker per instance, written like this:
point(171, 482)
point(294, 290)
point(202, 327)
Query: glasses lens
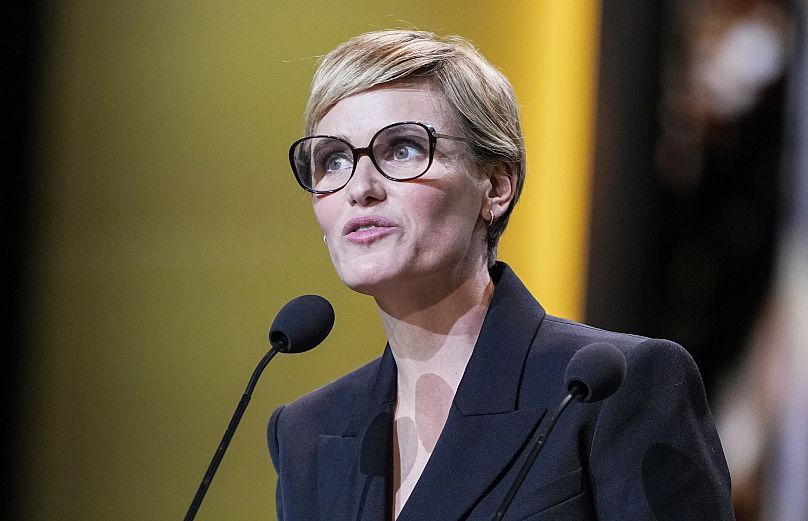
point(322, 163)
point(402, 151)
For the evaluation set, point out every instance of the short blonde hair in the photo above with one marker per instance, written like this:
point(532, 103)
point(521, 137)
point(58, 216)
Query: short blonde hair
point(480, 97)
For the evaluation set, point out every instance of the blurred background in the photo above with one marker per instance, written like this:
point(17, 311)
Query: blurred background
point(155, 228)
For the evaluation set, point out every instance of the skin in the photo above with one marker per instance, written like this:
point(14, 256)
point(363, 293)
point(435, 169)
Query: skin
point(424, 264)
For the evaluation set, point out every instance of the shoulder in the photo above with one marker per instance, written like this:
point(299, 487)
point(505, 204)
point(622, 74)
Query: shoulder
point(652, 363)
point(644, 352)
point(298, 425)
point(654, 441)
point(563, 331)
point(327, 407)
point(662, 385)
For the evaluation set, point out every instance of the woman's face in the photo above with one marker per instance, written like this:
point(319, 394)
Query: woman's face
point(388, 235)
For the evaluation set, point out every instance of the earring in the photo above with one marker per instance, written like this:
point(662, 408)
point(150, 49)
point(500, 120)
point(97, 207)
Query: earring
point(491, 222)
point(325, 240)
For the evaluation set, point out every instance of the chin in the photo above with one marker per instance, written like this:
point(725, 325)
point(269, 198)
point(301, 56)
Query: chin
point(366, 286)
point(369, 278)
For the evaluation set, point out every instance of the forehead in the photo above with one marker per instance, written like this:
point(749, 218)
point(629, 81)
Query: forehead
point(359, 116)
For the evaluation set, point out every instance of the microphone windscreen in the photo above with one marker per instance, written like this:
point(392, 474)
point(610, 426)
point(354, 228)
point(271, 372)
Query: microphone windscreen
point(599, 368)
point(301, 324)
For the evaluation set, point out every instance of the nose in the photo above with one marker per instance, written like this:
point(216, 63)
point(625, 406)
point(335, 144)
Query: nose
point(366, 187)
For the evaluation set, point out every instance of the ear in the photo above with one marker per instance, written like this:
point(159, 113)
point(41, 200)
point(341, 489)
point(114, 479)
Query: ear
point(500, 191)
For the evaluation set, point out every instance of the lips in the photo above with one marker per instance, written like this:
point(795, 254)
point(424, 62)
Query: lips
point(367, 228)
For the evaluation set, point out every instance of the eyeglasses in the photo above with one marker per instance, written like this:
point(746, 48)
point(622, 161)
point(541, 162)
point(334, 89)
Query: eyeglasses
point(400, 152)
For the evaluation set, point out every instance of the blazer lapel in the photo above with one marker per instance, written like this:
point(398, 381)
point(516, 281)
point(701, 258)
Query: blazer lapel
point(353, 479)
point(484, 433)
point(472, 454)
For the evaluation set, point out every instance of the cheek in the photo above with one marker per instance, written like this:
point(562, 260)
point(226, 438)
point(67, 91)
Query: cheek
point(325, 214)
point(450, 215)
point(463, 200)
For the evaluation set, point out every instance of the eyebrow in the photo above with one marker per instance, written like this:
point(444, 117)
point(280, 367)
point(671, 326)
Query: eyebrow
point(337, 136)
point(399, 130)
point(343, 137)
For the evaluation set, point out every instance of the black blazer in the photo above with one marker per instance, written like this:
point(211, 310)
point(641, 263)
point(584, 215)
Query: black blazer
point(650, 451)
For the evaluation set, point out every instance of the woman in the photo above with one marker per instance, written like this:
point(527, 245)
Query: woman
point(415, 161)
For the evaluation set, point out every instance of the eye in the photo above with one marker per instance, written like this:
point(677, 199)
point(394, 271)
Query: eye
point(336, 162)
point(329, 160)
point(402, 150)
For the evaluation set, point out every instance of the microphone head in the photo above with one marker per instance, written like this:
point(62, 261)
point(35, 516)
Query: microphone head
point(301, 324)
point(597, 370)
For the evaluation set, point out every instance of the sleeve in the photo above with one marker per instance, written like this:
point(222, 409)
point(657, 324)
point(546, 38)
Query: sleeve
point(274, 453)
point(655, 452)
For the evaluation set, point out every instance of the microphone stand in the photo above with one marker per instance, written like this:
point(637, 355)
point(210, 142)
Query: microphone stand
point(576, 390)
point(228, 433)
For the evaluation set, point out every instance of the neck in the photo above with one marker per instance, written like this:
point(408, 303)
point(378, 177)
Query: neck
point(436, 333)
point(432, 338)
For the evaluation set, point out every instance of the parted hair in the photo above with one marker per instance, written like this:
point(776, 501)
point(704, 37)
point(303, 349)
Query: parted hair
point(480, 97)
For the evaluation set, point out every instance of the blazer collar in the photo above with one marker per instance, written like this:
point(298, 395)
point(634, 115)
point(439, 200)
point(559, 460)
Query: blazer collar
point(491, 381)
point(483, 433)
point(381, 394)
point(355, 466)
point(490, 384)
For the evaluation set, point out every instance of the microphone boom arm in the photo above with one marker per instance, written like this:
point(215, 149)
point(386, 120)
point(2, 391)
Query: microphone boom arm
point(576, 390)
point(228, 435)
point(301, 324)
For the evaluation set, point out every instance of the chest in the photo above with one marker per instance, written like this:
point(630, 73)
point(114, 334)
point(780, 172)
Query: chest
point(418, 423)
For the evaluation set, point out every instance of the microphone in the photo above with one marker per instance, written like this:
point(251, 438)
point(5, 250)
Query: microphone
point(594, 373)
point(302, 324)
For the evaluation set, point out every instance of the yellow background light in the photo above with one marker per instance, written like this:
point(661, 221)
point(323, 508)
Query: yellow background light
point(168, 230)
